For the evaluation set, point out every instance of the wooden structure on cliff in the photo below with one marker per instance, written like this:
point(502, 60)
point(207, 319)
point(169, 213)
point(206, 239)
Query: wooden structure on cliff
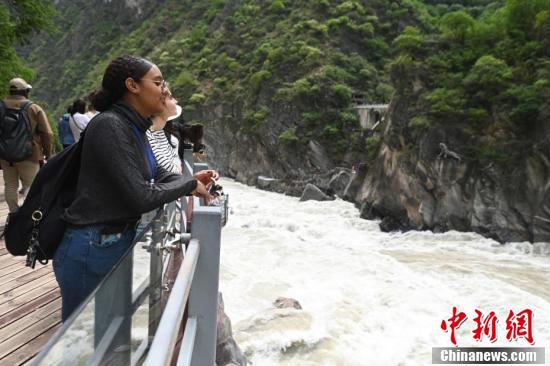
point(370, 115)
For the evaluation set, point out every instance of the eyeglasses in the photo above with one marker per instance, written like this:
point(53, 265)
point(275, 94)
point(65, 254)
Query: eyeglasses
point(160, 83)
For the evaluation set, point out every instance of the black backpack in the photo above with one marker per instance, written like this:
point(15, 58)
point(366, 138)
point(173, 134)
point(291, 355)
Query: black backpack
point(15, 133)
point(36, 228)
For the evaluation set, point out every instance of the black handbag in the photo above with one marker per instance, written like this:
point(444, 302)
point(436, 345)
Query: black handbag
point(36, 228)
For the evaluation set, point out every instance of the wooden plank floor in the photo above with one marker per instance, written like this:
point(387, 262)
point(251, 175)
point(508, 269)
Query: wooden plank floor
point(30, 304)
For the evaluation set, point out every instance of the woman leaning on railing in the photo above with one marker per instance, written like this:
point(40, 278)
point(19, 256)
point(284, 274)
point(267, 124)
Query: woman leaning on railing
point(118, 180)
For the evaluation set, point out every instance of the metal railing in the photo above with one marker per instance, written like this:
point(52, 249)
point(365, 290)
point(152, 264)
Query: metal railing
point(136, 314)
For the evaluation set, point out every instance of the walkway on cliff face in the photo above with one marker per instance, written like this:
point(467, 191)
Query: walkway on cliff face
point(30, 303)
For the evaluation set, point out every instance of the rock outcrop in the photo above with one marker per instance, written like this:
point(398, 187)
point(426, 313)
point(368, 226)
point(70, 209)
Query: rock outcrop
point(228, 352)
point(311, 192)
point(411, 185)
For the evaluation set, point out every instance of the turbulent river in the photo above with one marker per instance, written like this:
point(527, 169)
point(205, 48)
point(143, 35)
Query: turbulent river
point(368, 297)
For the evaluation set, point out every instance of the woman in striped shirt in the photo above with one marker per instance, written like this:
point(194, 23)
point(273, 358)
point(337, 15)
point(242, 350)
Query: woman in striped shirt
point(165, 151)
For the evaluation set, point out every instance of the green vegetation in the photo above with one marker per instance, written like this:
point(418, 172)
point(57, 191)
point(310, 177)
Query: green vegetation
point(253, 57)
point(480, 65)
point(18, 21)
point(373, 144)
point(486, 68)
point(288, 136)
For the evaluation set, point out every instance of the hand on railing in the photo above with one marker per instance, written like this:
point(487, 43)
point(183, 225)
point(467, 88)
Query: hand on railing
point(202, 191)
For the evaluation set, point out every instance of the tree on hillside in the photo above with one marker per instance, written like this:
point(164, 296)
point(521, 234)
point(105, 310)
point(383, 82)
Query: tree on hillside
point(487, 79)
point(455, 26)
point(542, 26)
point(521, 15)
point(19, 19)
point(409, 41)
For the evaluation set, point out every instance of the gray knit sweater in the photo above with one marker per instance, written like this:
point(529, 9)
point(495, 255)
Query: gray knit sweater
point(113, 184)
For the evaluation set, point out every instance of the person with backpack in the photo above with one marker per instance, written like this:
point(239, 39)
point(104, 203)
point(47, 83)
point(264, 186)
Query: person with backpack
point(118, 181)
point(26, 138)
point(65, 133)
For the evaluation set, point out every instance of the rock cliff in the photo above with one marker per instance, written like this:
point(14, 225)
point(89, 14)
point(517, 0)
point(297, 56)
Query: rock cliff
point(412, 185)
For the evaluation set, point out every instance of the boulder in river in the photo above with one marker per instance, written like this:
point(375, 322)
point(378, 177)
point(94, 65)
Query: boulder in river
point(311, 192)
point(266, 183)
point(286, 302)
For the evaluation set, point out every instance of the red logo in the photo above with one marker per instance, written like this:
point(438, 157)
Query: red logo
point(454, 322)
point(485, 326)
point(520, 325)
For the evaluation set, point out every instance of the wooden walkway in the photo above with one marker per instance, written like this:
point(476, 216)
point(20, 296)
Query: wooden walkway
point(30, 304)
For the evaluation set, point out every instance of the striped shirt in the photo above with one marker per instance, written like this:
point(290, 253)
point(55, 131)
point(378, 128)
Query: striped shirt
point(165, 155)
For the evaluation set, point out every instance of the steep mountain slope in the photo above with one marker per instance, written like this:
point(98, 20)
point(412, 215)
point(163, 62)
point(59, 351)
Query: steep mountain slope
point(276, 82)
point(277, 73)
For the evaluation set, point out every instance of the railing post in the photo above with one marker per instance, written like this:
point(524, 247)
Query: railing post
point(187, 171)
point(187, 163)
point(171, 213)
point(203, 299)
point(197, 167)
point(155, 275)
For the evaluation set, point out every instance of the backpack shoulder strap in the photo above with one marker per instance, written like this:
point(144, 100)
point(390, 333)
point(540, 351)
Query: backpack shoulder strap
point(2, 115)
point(76, 124)
point(25, 108)
point(26, 105)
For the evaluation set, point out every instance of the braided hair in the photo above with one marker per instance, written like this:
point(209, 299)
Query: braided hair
point(113, 86)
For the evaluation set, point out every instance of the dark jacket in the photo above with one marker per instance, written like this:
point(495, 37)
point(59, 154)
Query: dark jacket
point(113, 184)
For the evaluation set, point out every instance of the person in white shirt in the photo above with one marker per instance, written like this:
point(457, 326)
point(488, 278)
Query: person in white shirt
point(78, 120)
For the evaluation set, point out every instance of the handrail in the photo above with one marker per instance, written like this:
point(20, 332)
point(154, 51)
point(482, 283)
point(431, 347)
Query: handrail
point(188, 343)
point(42, 357)
point(199, 345)
point(165, 338)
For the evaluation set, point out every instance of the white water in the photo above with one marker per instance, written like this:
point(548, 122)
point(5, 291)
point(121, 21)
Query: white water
point(368, 298)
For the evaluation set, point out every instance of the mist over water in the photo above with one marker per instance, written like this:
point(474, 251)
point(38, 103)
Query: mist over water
point(368, 297)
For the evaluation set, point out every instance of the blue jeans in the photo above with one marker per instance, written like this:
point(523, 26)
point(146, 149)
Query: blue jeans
point(83, 258)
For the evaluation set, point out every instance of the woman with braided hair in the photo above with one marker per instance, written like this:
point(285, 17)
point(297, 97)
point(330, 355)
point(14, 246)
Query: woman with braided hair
point(118, 180)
